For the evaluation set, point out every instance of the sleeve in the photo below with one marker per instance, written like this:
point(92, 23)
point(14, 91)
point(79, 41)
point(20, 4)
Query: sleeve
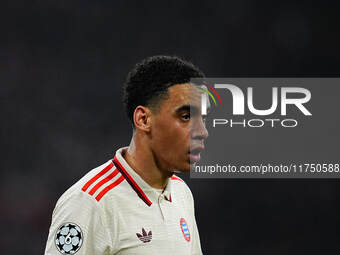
point(78, 226)
point(196, 243)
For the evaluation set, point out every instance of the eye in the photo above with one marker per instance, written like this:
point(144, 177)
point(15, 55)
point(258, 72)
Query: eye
point(185, 116)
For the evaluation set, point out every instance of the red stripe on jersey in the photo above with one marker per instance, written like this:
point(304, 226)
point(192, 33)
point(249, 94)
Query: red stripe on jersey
point(106, 179)
point(111, 186)
point(168, 198)
point(132, 183)
point(174, 177)
point(101, 173)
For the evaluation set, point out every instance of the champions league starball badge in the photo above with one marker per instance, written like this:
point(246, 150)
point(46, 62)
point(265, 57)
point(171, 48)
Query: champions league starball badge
point(68, 238)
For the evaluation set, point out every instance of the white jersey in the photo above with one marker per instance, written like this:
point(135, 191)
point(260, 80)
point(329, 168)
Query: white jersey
point(112, 210)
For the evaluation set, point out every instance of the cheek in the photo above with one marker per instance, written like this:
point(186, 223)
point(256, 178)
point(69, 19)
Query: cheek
point(171, 137)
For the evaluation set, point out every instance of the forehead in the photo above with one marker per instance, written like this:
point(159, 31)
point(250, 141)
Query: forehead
point(185, 93)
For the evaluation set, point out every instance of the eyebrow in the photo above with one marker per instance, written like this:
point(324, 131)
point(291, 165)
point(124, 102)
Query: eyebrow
point(192, 109)
point(183, 108)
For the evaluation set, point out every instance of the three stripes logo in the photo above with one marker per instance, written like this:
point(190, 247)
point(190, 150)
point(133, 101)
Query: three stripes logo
point(102, 182)
point(185, 229)
point(145, 237)
point(206, 89)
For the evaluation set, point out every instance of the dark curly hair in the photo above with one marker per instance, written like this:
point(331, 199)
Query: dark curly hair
point(148, 82)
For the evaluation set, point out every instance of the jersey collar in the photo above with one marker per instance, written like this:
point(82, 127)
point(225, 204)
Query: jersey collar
point(142, 189)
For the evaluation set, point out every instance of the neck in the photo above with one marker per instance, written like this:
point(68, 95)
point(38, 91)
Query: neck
point(142, 160)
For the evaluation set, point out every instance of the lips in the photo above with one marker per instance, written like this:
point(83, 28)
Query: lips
point(194, 154)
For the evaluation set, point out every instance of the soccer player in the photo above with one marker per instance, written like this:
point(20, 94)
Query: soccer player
point(134, 204)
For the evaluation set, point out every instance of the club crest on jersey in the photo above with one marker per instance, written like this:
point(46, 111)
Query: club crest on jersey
point(185, 229)
point(145, 237)
point(68, 238)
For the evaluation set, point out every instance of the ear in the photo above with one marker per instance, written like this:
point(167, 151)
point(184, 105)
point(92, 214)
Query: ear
point(142, 118)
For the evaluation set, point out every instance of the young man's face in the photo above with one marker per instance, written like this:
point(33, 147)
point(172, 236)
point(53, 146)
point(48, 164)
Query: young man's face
point(177, 127)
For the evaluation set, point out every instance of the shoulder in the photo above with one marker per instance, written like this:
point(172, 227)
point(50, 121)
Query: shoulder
point(92, 188)
point(180, 185)
point(176, 178)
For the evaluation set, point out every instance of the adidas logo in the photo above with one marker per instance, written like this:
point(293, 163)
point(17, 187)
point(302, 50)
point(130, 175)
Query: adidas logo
point(146, 237)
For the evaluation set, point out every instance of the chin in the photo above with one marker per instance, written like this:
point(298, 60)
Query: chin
point(192, 165)
point(183, 168)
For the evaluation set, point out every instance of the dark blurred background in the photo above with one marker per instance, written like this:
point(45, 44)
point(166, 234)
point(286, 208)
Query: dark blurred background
point(62, 67)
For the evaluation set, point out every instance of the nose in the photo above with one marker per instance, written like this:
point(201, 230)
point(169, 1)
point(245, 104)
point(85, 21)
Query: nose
point(198, 130)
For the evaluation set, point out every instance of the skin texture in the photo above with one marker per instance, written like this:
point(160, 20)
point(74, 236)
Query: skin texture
point(163, 137)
